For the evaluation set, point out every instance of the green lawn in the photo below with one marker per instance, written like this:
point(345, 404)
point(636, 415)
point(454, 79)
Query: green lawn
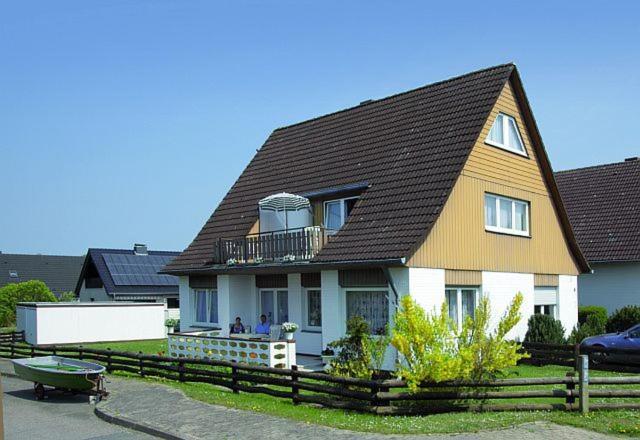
point(622, 422)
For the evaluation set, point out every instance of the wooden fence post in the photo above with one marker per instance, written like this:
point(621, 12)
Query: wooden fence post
point(141, 364)
point(234, 379)
point(181, 370)
point(80, 356)
point(33, 351)
point(584, 383)
point(571, 386)
point(109, 369)
point(13, 347)
point(295, 389)
point(576, 356)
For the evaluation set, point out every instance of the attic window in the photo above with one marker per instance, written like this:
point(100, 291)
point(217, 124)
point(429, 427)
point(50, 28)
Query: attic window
point(505, 134)
point(13, 274)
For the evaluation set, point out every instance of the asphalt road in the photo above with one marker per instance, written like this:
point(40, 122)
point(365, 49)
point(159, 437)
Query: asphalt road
point(57, 417)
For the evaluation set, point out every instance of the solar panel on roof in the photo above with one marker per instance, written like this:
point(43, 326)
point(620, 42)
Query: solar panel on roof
point(139, 270)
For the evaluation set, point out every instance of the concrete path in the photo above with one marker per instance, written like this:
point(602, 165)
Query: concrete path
point(168, 410)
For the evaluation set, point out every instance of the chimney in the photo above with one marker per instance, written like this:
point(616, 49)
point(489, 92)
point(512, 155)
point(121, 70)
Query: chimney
point(631, 159)
point(140, 249)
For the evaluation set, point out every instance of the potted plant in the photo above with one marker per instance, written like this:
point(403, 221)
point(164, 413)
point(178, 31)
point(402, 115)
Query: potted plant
point(327, 355)
point(289, 329)
point(172, 325)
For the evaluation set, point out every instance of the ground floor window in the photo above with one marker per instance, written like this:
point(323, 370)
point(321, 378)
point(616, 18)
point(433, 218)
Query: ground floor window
point(275, 305)
point(461, 302)
point(546, 301)
point(312, 309)
point(372, 306)
point(205, 304)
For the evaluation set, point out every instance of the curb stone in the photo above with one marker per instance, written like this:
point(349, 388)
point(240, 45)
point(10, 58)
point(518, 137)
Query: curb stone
point(133, 425)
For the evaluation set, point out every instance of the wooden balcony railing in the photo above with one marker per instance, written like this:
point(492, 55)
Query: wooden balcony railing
point(269, 247)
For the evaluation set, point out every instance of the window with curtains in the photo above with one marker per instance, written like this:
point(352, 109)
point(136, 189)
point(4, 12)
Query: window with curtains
point(461, 302)
point(371, 305)
point(505, 134)
point(337, 211)
point(205, 306)
point(506, 215)
point(312, 309)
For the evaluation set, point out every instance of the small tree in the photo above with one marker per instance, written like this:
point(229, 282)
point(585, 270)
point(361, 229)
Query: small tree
point(594, 325)
point(353, 356)
point(29, 291)
point(623, 319)
point(544, 329)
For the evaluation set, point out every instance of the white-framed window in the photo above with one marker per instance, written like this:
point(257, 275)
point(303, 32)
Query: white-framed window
point(312, 309)
point(461, 302)
point(274, 303)
point(506, 215)
point(205, 306)
point(337, 211)
point(505, 134)
point(545, 300)
point(371, 304)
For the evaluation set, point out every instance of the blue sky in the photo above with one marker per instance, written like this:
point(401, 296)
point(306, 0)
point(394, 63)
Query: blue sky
point(127, 121)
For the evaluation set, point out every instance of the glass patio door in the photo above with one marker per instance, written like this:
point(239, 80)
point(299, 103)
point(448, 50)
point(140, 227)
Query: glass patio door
point(275, 305)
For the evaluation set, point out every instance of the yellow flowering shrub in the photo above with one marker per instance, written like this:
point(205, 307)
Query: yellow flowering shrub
point(433, 349)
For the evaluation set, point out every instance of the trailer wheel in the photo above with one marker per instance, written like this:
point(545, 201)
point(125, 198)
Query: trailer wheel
point(39, 390)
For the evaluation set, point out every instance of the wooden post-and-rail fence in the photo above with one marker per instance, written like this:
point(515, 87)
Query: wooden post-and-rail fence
point(373, 396)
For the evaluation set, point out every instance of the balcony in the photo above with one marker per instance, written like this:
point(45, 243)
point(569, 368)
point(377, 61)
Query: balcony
point(272, 247)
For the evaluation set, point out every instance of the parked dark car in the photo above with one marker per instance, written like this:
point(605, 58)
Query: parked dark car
point(629, 339)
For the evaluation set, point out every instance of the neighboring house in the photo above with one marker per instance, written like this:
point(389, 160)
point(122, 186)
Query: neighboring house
point(58, 272)
point(444, 193)
point(603, 203)
point(127, 275)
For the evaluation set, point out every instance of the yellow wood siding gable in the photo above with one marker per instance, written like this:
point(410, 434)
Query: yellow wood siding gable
point(459, 241)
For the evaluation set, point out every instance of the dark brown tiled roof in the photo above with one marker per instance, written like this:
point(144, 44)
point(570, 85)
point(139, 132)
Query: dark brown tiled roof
point(410, 148)
point(603, 203)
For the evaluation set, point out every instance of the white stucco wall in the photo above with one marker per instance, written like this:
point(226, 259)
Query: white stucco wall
point(611, 285)
point(186, 309)
point(242, 301)
point(501, 288)
point(568, 302)
point(333, 311)
point(427, 287)
point(69, 323)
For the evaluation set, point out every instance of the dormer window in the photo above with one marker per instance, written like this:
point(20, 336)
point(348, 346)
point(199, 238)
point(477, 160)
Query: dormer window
point(337, 211)
point(505, 134)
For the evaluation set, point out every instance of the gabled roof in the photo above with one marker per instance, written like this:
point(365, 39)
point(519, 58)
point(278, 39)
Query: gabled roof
point(124, 271)
point(58, 272)
point(603, 203)
point(410, 149)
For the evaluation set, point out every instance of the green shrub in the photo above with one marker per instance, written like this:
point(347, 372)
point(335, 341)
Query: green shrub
point(595, 325)
point(544, 329)
point(353, 355)
point(624, 318)
point(434, 350)
point(67, 297)
point(585, 311)
point(29, 291)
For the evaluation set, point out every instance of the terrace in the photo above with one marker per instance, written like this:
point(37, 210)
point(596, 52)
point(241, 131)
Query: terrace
point(300, 244)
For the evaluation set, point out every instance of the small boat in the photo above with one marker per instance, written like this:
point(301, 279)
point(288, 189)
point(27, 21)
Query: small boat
point(60, 373)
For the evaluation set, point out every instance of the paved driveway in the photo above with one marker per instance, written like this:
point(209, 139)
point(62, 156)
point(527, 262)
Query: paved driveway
point(60, 417)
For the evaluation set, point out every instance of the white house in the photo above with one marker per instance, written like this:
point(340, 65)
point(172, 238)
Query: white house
point(444, 193)
point(603, 203)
